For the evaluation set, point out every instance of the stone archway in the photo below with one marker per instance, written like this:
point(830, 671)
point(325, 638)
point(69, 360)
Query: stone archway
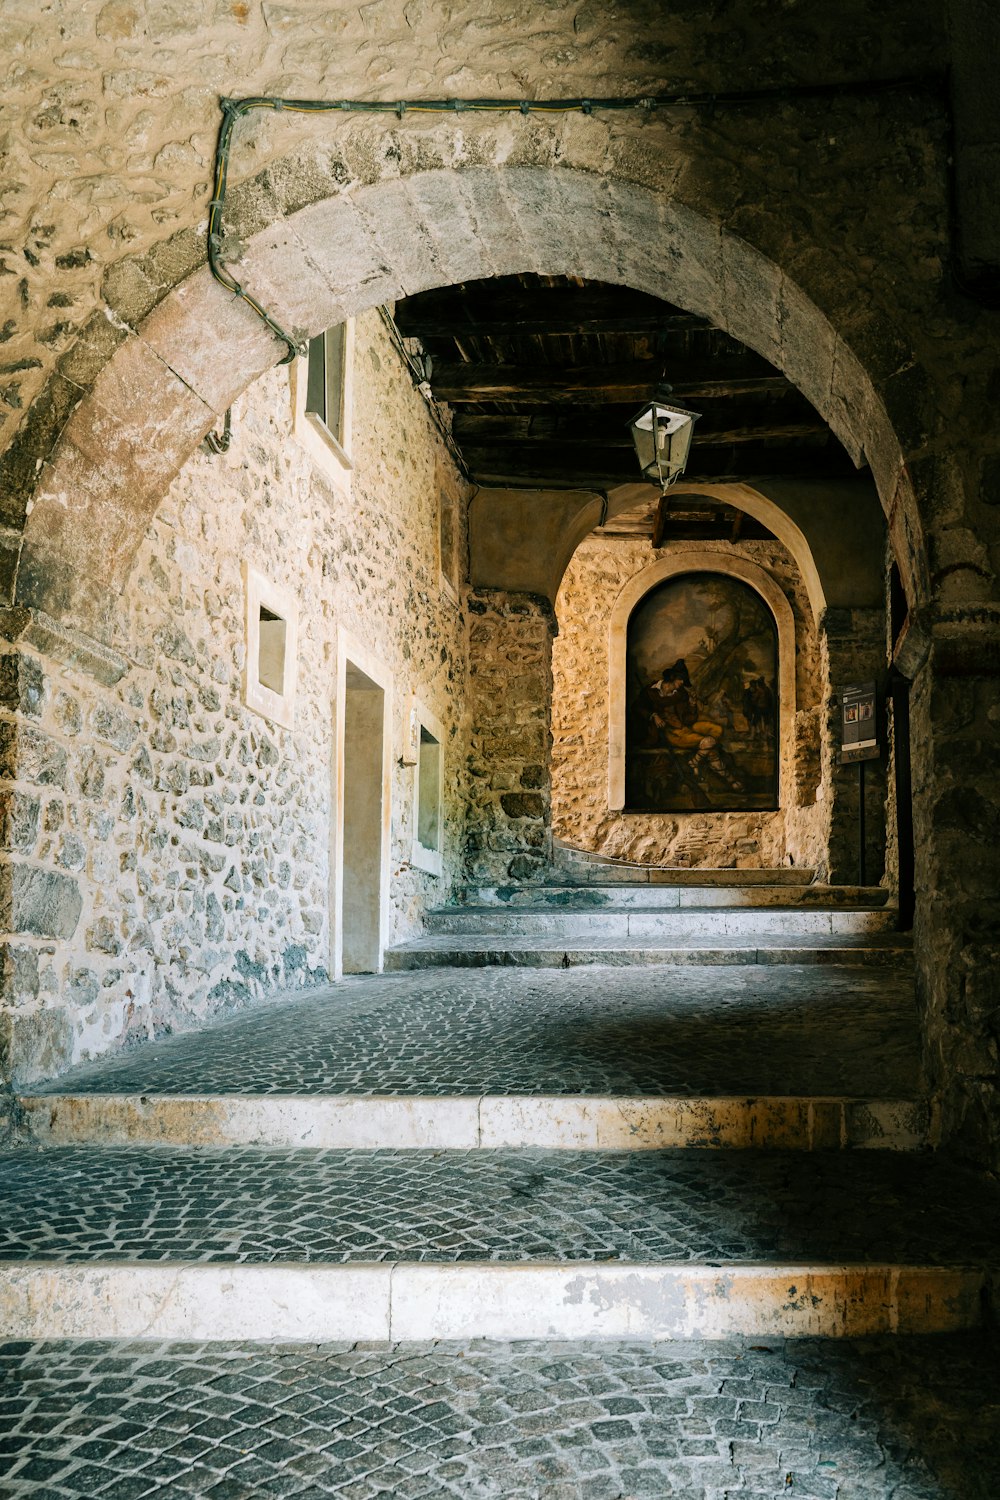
point(166, 384)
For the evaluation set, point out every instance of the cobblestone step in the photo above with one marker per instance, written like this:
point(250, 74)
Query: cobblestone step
point(668, 925)
point(692, 1030)
point(654, 897)
point(455, 950)
point(917, 1419)
point(559, 1122)
point(252, 1243)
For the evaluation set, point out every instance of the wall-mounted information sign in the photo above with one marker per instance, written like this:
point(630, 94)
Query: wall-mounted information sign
point(857, 723)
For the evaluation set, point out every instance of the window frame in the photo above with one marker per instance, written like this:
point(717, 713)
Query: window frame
point(279, 601)
point(330, 452)
point(422, 856)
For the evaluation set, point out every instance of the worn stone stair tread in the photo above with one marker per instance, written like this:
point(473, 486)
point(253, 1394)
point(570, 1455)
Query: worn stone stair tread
point(657, 1031)
point(399, 1302)
point(486, 948)
point(671, 924)
point(488, 1121)
point(248, 1204)
point(601, 871)
point(644, 896)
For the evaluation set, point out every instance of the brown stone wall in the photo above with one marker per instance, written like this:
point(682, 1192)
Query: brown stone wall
point(599, 571)
point(955, 710)
point(510, 704)
point(168, 849)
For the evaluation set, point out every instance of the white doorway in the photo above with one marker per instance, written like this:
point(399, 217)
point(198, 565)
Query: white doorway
point(362, 801)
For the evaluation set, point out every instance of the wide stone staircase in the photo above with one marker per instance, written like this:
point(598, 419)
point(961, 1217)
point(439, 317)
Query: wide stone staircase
point(603, 912)
point(657, 1105)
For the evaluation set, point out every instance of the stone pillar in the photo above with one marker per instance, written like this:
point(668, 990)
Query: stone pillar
point(954, 713)
point(39, 905)
point(853, 648)
point(50, 804)
point(509, 816)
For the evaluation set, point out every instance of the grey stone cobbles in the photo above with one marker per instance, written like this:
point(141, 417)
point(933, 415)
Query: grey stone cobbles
point(689, 1030)
point(252, 1205)
point(869, 1420)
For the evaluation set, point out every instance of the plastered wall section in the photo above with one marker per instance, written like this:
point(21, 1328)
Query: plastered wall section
point(599, 571)
point(167, 850)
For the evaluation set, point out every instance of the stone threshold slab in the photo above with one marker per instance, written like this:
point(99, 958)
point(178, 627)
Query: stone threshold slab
point(542, 1300)
point(400, 1122)
point(598, 872)
point(667, 925)
point(467, 952)
point(672, 898)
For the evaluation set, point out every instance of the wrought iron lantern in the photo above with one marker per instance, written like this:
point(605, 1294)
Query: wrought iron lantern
point(662, 437)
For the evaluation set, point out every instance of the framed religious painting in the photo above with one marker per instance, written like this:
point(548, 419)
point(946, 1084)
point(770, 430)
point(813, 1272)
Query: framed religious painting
point(701, 696)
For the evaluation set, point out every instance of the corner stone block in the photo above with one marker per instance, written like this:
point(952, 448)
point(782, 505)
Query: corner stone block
point(44, 903)
point(18, 974)
point(28, 755)
point(34, 1046)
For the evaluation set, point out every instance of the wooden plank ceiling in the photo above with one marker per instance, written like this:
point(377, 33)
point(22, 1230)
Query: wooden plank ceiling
point(543, 373)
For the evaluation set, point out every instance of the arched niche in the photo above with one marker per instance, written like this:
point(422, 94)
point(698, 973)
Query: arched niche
point(632, 595)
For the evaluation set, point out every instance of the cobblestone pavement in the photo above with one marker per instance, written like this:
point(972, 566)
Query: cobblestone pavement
point(686, 1030)
point(914, 1419)
point(252, 1204)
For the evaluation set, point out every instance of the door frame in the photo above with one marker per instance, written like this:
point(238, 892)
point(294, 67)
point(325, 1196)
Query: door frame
point(351, 651)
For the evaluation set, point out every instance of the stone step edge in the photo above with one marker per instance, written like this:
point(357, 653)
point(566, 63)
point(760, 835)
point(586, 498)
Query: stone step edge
point(574, 1122)
point(558, 899)
point(437, 952)
point(405, 1301)
point(649, 922)
point(578, 872)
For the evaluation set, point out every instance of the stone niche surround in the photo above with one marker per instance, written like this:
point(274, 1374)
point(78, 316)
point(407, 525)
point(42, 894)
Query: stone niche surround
point(166, 849)
point(604, 582)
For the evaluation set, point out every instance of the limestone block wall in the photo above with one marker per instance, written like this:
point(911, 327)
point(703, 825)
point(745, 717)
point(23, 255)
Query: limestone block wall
point(167, 850)
point(599, 571)
point(510, 706)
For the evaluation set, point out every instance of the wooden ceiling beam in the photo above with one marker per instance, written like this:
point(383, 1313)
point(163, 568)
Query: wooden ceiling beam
point(595, 385)
point(639, 325)
point(493, 310)
point(605, 470)
point(483, 433)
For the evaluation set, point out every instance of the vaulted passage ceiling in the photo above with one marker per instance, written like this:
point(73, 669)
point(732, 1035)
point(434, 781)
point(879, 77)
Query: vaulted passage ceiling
point(543, 374)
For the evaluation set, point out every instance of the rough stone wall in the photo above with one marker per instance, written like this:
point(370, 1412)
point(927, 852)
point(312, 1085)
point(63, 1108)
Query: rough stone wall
point(168, 848)
point(599, 571)
point(955, 711)
point(510, 706)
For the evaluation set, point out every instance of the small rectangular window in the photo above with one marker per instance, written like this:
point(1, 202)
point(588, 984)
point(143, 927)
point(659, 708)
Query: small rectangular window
point(429, 805)
point(325, 380)
point(428, 793)
point(271, 651)
point(271, 644)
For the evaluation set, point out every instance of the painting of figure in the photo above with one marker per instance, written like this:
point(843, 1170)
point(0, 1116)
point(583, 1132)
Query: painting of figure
point(701, 698)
